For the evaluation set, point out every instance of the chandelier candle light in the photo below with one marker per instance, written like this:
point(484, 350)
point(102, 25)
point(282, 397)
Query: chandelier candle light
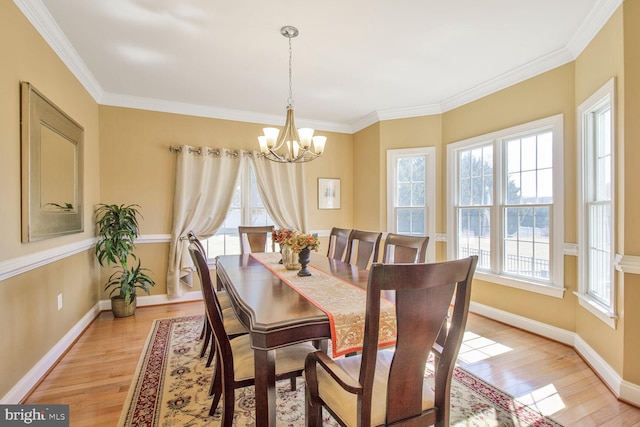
point(292, 145)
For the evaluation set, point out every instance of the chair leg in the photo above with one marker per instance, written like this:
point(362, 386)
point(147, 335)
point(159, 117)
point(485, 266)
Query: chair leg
point(216, 384)
point(229, 405)
point(293, 383)
point(313, 412)
point(212, 353)
point(204, 328)
point(216, 391)
point(207, 338)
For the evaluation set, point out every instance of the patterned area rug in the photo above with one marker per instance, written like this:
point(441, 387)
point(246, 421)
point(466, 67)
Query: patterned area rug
point(171, 386)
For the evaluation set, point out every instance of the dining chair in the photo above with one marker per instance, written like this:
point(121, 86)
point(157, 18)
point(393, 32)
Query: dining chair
point(232, 323)
point(400, 248)
point(254, 238)
point(338, 241)
point(235, 357)
point(385, 387)
point(362, 248)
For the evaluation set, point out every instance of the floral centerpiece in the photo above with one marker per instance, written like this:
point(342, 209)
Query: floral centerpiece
point(300, 241)
point(282, 235)
point(302, 244)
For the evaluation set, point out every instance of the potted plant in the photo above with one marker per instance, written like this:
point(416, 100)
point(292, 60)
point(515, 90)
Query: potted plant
point(117, 229)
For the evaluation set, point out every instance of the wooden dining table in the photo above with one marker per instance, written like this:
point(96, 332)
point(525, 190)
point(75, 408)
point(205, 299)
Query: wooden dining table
point(276, 315)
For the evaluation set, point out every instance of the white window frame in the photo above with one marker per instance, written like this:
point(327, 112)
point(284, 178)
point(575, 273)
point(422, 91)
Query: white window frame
point(554, 286)
point(430, 189)
point(603, 97)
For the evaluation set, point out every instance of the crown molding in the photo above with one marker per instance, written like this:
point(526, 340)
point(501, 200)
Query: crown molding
point(40, 18)
point(197, 110)
point(596, 19)
point(44, 23)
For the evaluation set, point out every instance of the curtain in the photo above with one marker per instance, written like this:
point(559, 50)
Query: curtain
point(282, 189)
point(205, 180)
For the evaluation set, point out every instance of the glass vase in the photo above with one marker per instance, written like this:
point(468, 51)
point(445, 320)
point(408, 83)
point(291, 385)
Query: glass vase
point(289, 258)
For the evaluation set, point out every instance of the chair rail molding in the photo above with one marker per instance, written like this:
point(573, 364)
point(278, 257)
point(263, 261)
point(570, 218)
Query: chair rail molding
point(16, 266)
point(627, 263)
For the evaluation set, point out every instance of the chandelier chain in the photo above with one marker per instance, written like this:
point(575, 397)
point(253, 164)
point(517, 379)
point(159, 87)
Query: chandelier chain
point(290, 100)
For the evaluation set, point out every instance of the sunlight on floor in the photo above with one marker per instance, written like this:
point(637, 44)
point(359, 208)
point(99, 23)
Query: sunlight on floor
point(545, 399)
point(476, 348)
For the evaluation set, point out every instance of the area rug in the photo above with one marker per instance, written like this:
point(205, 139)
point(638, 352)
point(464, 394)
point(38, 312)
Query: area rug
point(171, 385)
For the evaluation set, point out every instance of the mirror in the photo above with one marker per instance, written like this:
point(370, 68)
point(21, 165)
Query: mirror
point(52, 145)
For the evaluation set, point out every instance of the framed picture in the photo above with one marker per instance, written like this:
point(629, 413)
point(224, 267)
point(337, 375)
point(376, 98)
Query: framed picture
point(328, 193)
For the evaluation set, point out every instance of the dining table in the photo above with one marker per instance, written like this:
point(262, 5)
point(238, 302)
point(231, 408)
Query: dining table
point(278, 310)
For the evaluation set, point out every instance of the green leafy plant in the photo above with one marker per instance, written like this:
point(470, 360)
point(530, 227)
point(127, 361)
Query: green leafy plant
point(117, 228)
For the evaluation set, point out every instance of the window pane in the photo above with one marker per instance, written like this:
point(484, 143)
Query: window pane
point(545, 186)
point(418, 168)
point(418, 194)
point(545, 150)
point(526, 245)
point(513, 156)
point(417, 222)
point(513, 189)
point(404, 194)
point(403, 223)
point(404, 169)
point(474, 227)
point(599, 248)
point(528, 150)
point(528, 187)
point(465, 191)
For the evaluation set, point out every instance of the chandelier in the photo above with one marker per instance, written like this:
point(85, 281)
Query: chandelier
point(292, 145)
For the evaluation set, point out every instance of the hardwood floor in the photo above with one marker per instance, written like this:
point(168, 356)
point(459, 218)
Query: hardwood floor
point(94, 375)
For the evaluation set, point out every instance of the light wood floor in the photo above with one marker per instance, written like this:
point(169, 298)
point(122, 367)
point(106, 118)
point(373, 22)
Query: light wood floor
point(94, 376)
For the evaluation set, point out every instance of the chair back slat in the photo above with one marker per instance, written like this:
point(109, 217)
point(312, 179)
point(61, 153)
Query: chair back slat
point(363, 248)
point(253, 239)
point(338, 241)
point(400, 249)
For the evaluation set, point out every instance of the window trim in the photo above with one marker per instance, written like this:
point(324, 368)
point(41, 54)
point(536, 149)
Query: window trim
point(555, 287)
point(607, 314)
point(430, 187)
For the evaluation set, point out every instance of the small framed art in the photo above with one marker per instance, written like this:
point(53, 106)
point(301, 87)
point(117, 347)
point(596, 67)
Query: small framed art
point(328, 193)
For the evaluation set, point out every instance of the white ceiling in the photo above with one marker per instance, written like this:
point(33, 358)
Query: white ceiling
point(354, 63)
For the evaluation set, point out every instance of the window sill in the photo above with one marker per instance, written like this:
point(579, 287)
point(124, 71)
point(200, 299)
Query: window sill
point(538, 288)
point(597, 310)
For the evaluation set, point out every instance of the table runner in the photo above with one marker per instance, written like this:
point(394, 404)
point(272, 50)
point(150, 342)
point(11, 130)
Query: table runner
point(344, 304)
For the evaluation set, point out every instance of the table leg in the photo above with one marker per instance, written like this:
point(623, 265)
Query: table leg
point(265, 387)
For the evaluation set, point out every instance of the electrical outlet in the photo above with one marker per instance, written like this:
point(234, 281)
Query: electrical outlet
point(59, 301)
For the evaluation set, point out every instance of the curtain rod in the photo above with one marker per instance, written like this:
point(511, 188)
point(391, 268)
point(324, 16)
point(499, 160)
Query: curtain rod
point(214, 151)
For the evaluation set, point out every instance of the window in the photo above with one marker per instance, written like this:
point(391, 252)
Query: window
point(246, 209)
point(596, 289)
point(505, 205)
point(411, 193)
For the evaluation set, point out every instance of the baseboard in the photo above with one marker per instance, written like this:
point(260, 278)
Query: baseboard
point(147, 300)
point(24, 386)
point(623, 390)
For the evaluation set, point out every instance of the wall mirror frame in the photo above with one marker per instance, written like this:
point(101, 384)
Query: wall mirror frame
point(52, 153)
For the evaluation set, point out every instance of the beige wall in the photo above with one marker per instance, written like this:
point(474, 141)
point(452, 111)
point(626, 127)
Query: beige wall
point(630, 295)
point(367, 197)
point(29, 319)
